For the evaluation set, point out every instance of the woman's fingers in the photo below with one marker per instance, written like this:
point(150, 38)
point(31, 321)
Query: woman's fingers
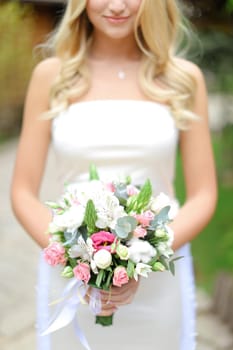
point(115, 297)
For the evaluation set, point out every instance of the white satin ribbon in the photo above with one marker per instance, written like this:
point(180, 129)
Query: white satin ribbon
point(72, 296)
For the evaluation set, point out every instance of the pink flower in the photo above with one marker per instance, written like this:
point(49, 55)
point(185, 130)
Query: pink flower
point(82, 272)
point(120, 276)
point(132, 190)
point(102, 240)
point(145, 218)
point(110, 187)
point(54, 254)
point(139, 232)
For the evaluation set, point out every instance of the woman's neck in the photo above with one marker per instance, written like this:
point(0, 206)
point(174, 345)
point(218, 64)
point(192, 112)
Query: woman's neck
point(120, 50)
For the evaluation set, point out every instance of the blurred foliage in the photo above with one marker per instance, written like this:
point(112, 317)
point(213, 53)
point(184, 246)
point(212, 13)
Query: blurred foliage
point(16, 31)
point(229, 6)
point(216, 57)
point(225, 162)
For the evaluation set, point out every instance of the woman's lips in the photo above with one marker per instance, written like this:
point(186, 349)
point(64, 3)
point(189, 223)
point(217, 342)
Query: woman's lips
point(116, 20)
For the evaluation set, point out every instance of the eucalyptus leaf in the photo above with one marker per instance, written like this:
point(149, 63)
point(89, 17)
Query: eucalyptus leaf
point(163, 261)
point(121, 193)
point(70, 237)
point(125, 226)
point(161, 218)
point(172, 267)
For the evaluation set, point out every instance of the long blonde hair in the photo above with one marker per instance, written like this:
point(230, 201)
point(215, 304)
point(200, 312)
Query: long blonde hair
point(158, 30)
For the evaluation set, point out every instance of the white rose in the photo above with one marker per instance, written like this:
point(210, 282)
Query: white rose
point(142, 270)
point(71, 219)
point(103, 259)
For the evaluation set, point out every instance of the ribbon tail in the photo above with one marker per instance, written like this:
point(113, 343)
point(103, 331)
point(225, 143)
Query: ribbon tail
point(79, 333)
point(65, 317)
point(95, 301)
point(66, 310)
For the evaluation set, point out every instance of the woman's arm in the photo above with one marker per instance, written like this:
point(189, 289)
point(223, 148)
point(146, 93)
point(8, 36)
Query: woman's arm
point(32, 153)
point(198, 168)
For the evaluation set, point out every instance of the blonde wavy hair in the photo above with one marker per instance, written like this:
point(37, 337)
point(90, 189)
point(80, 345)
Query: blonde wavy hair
point(159, 31)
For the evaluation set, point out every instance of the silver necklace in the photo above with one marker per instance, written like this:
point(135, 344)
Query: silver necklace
point(121, 74)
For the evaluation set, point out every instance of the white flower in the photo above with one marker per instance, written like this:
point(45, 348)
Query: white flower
point(82, 249)
point(161, 201)
point(170, 236)
point(108, 209)
point(164, 249)
point(53, 228)
point(142, 270)
point(103, 258)
point(141, 251)
point(71, 219)
point(94, 266)
point(167, 233)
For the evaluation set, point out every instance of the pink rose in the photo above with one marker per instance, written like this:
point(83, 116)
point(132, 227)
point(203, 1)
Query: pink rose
point(145, 218)
point(139, 232)
point(120, 276)
point(82, 272)
point(54, 254)
point(102, 240)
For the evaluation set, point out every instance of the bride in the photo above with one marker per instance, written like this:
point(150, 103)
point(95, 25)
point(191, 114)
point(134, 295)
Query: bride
point(115, 93)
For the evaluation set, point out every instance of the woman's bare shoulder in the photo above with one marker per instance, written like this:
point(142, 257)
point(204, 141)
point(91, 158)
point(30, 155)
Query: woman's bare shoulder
point(47, 69)
point(190, 67)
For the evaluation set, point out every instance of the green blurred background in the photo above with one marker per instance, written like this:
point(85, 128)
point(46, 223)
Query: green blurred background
point(24, 25)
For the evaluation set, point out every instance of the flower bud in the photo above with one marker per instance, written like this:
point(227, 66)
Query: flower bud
point(158, 267)
point(160, 232)
point(67, 272)
point(123, 252)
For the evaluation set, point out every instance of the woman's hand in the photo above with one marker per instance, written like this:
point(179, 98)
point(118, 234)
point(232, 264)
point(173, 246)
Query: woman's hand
point(117, 296)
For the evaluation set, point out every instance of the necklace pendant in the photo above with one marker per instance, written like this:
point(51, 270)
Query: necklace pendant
point(121, 75)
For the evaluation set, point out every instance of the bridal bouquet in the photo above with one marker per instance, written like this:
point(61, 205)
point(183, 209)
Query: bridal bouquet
point(104, 234)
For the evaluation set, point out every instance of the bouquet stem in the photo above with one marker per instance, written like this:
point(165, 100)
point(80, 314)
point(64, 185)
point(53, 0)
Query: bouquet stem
point(104, 320)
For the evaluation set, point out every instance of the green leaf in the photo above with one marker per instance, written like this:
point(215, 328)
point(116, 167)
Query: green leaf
point(90, 216)
point(53, 205)
point(142, 199)
point(130, 269)
point(93, 173)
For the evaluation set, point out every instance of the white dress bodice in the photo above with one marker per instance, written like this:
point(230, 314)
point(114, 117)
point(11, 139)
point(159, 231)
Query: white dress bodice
point(121, 137)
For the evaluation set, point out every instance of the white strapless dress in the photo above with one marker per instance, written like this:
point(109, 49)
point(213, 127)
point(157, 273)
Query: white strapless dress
point(123, 137)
